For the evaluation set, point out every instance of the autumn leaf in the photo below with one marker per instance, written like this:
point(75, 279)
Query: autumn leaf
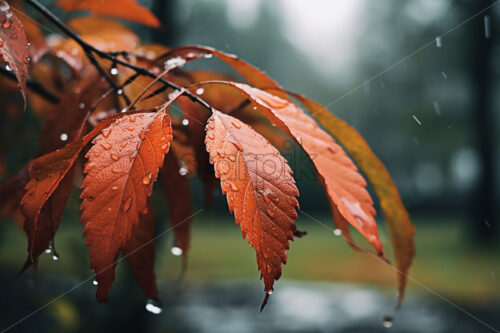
point(125, 9)
point(122, 165)
point(139, 251)
point(344, 185)
point(398, 220)
point(13, 45)
point(178, 196)
point(260, 190)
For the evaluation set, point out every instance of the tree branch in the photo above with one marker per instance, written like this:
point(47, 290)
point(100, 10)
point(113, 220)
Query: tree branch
point(33, 86)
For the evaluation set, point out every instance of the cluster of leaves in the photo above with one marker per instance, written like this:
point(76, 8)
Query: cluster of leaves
point(120, 147)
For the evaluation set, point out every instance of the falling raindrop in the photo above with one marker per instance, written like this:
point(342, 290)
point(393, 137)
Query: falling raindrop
point(63, 137)
point(154, 306)
point(183, 171)
point(81, 105)
point(95, 283)
point(437, 108)
point(444, 75)
point(176, 251)
point(185, 122)
point(114, 71)
point(337, 232)
point(439, 41)
point(487, 26)
point(418, 121)
point(387, 321)
point(200, 91)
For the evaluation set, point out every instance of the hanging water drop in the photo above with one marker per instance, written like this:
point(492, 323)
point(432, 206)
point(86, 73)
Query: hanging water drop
point(176, 251)
point(63, 137)
point(387, 321)
point(147, 179)
point(81, 105)
point(95, 283)
point(127, 204)
point(337, 232)
point(119, 91)
point(123, 110)
point(200, 91)
point(7, 67)
point(114, 71)
point(208, 55)
point(105, 132)
point(154, 306)
point(183, 171)
point(185, 122)
point(55, 257)
point(114, 157)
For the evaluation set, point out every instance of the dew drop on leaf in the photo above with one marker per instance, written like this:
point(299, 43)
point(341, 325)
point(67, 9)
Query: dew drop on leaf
point(236, 124)
point(7, 67)
point(106, 146)
point(176, 251)
point(114, 157)
point(200, 91)
point(127, 204)
point(105, 132)
point(232, 158)
point(147, 179)
point(1, 43)
point(119, 91)
point(387, 321)
point(154, 306)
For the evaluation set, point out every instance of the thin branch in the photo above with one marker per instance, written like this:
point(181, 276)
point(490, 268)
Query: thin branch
point(33, 86)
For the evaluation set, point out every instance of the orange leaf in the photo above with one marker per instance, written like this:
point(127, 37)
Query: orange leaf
point(125, 9)
point(140, 252)
point(13, 45)
point(260, 190)
point(123, 164)
point(398, 220)
point(338, 174)
point(178, 195)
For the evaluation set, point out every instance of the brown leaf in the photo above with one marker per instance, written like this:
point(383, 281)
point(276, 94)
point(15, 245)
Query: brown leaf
point(139, 251)
point(398, 220)
point(13, 45)
point(125, 9)
point(122, 165)
point(178, 195)
point(260, 190)
point(336, 171)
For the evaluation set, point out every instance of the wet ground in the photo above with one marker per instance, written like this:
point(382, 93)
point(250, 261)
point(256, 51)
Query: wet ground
point(232, 307)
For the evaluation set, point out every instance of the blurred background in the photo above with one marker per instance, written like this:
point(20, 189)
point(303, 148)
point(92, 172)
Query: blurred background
point(418, 79)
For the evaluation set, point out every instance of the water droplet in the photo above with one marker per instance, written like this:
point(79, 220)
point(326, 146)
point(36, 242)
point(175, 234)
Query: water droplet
point(105, 132)
point(90, 165)
point(200, 91)
point(444, 75)
point(176, 251)
point(114, 157)
point(95, 283)
point(106, 146)
point(232, 158)
point(63, 137)
point(417, 120)
point(487, 26)
point(270, 291)
point(132, 118)
point(183, 171)
point(236, 124)
point(234, 188)
point(269, 269)
point(238, 146)
point(131, 128)
point(211, 136)
point(337, 232)
point(114, 188)
point(114, 71)
point(1, 42)
point(266, 199)
point(439, 41)
point(154, 306)
point(142, 135)
point(270, 213)
point(48, 250)
point(174, 62)
point(147, 179)
point(7, 67)
point(119, 91)
point(208, 56)
point(387, 321)
point(436, 108)
point(55, 257)
point(185, 122)
point(81, 105)
point(211, 125)
point(123, 110)
point(164, 146)
point(127, 204)
point(116, 170)
point(6, 25)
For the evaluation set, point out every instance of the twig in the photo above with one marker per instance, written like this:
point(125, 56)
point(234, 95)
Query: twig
point(33, 86)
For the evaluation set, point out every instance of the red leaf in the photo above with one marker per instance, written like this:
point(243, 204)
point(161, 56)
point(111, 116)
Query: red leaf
point(125, 9)
point(339, 176)
point(123, 164)
point(260, 190)
point(176, 189)
point(140, 252)
point(13, 45)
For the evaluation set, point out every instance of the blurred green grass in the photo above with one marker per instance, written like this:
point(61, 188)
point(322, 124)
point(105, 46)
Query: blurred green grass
point(446, 261)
